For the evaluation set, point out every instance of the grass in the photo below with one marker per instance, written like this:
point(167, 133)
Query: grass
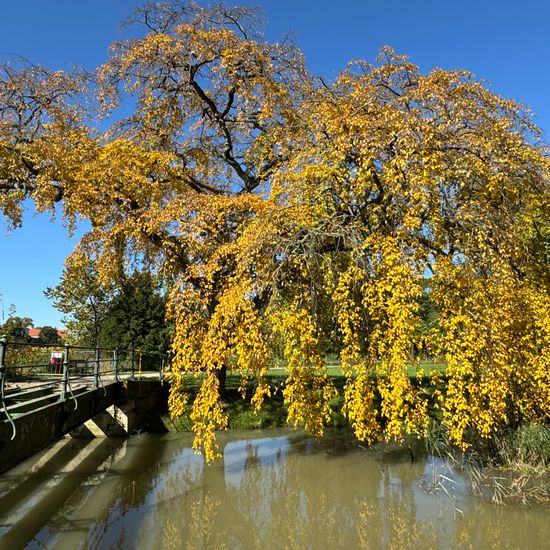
point(513, 466)
point(242, 415)
point(524, 454)
point(525, 449)
point(335, 370)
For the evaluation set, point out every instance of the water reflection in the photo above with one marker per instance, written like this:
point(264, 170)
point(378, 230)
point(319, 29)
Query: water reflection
point(278, 491)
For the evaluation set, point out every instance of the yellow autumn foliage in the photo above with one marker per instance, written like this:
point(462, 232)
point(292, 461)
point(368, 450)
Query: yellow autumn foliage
point(291, 217)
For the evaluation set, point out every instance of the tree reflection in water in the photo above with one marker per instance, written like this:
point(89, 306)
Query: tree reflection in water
point(288, 493)
point(281, 491)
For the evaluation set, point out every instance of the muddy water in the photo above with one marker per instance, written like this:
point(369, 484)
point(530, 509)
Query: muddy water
point(275, 489)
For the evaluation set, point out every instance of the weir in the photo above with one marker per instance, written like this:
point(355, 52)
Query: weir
point(118, 408)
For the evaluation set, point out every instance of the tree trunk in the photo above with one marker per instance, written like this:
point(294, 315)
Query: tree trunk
point(221, 375)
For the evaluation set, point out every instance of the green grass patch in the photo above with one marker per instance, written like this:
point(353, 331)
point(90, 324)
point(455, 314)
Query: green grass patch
point(335, 370)
point(525, 449)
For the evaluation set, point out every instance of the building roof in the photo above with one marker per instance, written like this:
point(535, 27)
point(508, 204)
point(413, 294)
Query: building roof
point(35, 332)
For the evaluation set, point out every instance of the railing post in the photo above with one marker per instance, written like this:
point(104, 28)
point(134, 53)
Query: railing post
point(3, 346)
point(115, 363)
point(96, 371)
point(65, 380)
point(133, 362)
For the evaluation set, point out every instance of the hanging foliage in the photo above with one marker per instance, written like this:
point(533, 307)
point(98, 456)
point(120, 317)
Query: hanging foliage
point(292, 216)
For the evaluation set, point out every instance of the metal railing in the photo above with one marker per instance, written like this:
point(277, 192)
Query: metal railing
point(57, 372)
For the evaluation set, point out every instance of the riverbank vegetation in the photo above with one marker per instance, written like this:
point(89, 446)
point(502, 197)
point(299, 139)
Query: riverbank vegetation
point(511, 466)
point(386, 216)
point(514, 464)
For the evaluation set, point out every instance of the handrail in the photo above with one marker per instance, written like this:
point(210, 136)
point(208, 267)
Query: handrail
point(87, 348)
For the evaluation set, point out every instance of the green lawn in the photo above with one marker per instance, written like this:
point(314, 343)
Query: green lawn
point(335, 370)
point(277, 375)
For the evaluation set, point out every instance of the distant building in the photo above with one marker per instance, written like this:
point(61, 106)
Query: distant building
point(35, 333)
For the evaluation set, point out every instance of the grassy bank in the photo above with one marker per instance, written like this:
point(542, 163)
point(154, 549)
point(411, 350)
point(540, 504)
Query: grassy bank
point(513, 465)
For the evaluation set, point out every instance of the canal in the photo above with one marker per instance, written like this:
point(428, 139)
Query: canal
point(272, 489)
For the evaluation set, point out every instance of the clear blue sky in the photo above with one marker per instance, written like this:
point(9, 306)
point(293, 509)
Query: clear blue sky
point(504, 42)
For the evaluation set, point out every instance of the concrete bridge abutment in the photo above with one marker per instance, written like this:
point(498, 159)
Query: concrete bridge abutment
point(118, 409)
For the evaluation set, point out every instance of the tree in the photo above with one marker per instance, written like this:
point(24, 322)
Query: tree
point(15, 327)
point(49, 335)
point(284, 210)
point(127, 314)
point(83, 300)
point(136, 317)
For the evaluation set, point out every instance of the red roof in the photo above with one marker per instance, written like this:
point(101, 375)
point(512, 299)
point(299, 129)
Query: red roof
point(35, 332)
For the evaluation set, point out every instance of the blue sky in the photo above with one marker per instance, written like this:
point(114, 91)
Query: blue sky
point(506, 43)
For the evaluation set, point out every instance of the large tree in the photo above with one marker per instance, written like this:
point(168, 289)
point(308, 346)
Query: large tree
point(284, 211)
point(129, 313)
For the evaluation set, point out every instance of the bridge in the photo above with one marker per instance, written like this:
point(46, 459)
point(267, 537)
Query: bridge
point(47, 392)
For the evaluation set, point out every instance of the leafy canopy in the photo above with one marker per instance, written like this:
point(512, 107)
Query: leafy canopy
point(135, 317)
point(16, 328)
point(286, 213)
point(127, 314)
point(83, 301)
